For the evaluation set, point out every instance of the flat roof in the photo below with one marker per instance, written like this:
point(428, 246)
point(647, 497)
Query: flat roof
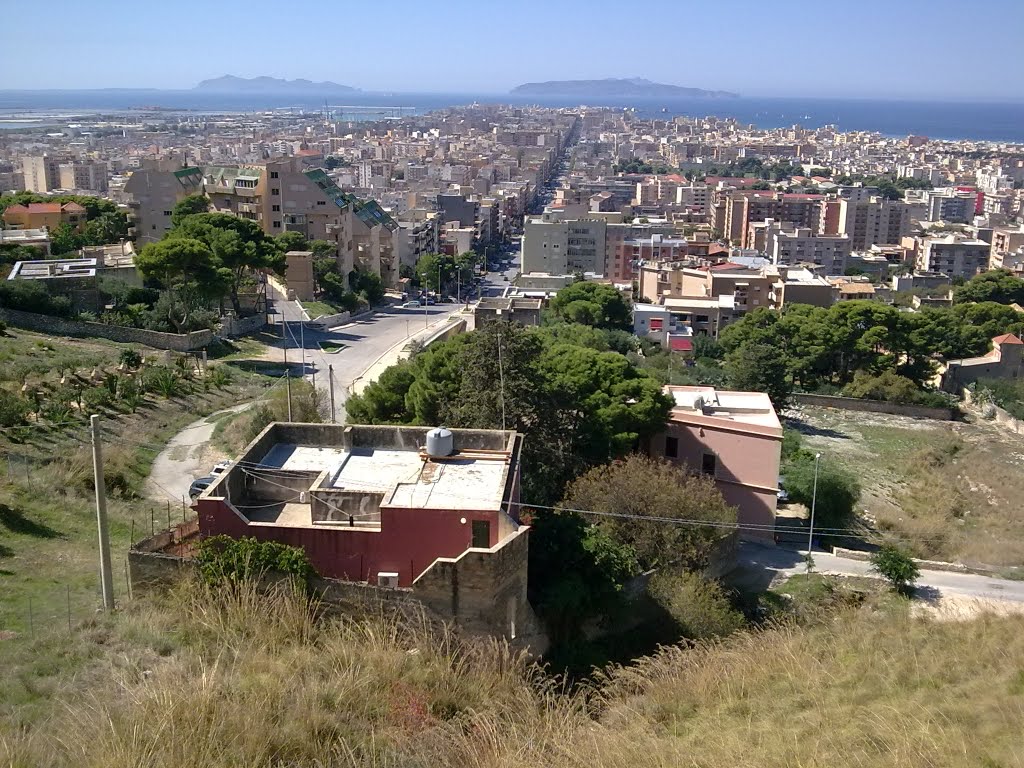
point(462, 482)
point(708, 405)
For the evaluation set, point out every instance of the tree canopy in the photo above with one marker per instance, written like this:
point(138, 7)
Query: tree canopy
point(820, 346)
point(187, 269)
point(579, 406)
point(189, 206)
point(1000, 286)
point(594, 304)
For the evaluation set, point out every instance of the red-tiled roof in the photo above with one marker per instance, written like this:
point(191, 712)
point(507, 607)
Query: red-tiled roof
point(727, 265)
point(1007, 338)
point(46, 208)
point(678, 344)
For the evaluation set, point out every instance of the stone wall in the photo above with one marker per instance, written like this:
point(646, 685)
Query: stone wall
point(56, 326)
point(875, 406)
point(233, 326)
point(484, 592)
point(326, 322)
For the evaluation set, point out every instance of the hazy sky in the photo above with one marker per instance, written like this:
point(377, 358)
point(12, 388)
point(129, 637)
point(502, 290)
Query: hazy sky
point(883, 48)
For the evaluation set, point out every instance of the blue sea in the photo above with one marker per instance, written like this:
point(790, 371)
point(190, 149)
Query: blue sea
point(940, 120)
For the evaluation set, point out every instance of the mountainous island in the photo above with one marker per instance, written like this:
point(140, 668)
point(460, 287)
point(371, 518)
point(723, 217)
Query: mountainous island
point(633, 88)
point(301, 87)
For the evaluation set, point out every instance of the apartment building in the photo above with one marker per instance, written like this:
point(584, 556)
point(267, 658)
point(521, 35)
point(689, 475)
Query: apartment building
point(953, 255)
point(953, 206)
point(152, 191)
point(557, 246)
point(419, 232)
point(742, 208)
point(735, 438)
point(282, 196)
point(874, 221)
point(84, 176)
point(802, 246)
point(42, 172)
point(627, 254)
point(1005, 241)
point(46, 216)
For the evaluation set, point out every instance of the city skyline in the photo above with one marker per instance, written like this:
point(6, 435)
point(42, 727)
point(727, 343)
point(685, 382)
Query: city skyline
point(884, 51)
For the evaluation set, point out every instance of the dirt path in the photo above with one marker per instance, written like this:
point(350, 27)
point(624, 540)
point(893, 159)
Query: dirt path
point(184, 458)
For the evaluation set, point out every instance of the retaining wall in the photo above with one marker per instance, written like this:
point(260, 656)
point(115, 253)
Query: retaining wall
point(56, 326)
point(233, 326)
point(875, 406)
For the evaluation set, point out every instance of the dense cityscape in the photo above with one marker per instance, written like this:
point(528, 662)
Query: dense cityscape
point(504, 434)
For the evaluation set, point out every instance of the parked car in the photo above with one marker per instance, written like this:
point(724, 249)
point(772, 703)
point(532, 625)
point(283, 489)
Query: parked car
point(200, 484)
point(220, 468)
point(412, 305)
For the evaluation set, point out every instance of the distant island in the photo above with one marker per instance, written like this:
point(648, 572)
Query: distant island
point(612, 87)
point(300, 87)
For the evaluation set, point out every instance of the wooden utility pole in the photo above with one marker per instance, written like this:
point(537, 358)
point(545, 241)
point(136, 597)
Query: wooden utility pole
point(106, 577)
point(288, 385)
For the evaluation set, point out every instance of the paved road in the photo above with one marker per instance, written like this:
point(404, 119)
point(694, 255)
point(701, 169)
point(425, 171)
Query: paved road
point(182, 460)
point(782, 561)
point(363, 342)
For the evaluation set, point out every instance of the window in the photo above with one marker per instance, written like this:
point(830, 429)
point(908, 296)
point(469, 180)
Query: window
point(672, 447)
point(273, 174)
point(275, 191)
point(481, 534)
point(168, 213)
point(321, 202)
point(709, 464)
point(277, 225)
point(275, 207)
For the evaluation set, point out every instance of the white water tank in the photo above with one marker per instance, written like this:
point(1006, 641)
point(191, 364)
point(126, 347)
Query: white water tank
point(440, 442)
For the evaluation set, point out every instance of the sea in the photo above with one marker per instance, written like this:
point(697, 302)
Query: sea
point(995, 122)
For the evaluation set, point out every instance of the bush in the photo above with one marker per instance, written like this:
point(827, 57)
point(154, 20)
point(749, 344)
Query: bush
point(896, 567)
point(838, 490)
point(13, 409)
point(96, 398)
point(164, 381)
point(219, 376)
point(699, 606)
point(130, 358)
point(222, 559)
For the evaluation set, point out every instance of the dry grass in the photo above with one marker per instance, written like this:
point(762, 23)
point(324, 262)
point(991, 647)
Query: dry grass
point(248, 681)
point(946, 490)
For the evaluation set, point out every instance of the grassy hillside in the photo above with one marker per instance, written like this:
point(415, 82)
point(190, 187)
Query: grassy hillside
point(247, 681)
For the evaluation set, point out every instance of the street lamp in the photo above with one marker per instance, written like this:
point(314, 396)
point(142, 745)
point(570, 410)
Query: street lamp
point(814, 500)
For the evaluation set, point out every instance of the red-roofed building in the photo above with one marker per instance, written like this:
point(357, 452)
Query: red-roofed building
point(1004, 361)
point(44, 215)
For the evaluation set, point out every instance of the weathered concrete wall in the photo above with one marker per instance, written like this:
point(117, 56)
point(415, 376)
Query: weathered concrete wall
point(326, 322)
point(233, 326)
point(56, 326)
point(484, 592)
point(454, 329)
point(875, 406)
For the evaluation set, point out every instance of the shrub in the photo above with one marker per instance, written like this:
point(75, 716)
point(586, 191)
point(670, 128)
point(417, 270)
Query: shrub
point(222, 559)
point(130, 358)
point(163, 381)
point(895, 566)
point(837, 494)
point(96, 398)
point(699, 606)
point(219, 376)
point(130, 393)
point(13, 409)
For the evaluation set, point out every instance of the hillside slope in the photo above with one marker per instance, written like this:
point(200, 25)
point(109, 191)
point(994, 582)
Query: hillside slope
point(192, 680)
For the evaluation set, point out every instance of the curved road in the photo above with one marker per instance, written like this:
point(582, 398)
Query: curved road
point(362, 344)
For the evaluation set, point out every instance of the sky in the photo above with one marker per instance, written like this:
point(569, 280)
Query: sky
point(925, 49)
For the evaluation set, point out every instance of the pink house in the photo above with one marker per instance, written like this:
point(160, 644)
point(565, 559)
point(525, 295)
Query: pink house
point(734, 437)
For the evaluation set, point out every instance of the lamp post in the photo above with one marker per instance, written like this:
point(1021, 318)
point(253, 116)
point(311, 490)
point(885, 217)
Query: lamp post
point(814, 500)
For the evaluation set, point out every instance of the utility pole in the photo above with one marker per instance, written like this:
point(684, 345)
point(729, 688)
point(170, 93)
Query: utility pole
point(288, 386)
point(330, 386)
point(814, 500)
point(106, 577)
